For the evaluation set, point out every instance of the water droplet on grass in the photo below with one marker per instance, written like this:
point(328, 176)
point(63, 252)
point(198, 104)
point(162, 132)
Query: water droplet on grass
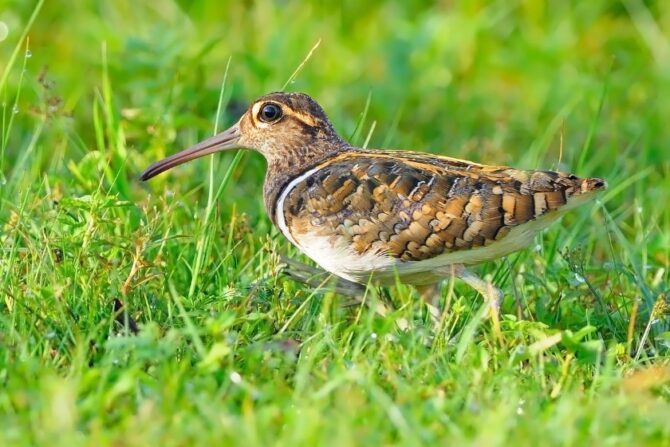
point(15, 109)
point(235, 377)
point(29, 54)
point(4, 31)
point(519, 408)
point(576, 280)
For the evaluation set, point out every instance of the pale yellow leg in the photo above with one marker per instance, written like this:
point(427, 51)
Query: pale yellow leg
point(491, 294)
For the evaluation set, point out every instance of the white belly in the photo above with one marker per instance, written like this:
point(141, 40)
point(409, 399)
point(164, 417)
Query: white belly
point(342, 261)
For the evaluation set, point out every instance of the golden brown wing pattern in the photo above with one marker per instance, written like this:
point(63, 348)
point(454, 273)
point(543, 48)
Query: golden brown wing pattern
point(414, 206)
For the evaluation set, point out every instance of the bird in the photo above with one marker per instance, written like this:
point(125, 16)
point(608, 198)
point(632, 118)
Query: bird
point(374, 215)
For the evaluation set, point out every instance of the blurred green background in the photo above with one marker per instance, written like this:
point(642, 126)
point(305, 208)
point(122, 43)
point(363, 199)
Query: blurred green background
point(495, 81)
point(91, 92)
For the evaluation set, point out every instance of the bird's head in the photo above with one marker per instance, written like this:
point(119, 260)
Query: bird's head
point(284, 127)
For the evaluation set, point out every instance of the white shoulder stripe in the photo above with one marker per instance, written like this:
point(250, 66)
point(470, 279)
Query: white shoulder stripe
point(279, 208)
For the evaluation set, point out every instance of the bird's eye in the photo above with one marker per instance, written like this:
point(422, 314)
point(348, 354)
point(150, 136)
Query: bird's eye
point(270, 112)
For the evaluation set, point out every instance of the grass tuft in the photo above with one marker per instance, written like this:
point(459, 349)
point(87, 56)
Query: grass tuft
point(142, 314)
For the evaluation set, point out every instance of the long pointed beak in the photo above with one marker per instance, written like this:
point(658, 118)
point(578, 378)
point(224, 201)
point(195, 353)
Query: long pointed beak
point(227, 139)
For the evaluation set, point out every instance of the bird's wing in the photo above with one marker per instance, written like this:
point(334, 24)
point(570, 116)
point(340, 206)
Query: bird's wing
point(414, 206)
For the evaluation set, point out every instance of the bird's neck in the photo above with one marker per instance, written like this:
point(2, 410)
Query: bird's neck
point(286, 165)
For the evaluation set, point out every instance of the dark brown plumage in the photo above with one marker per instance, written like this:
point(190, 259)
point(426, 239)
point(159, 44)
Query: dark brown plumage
point(413, 207)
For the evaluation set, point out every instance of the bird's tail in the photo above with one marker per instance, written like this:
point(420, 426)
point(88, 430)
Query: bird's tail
point(592, 185)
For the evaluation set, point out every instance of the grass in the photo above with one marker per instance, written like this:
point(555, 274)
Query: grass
point(229, 351)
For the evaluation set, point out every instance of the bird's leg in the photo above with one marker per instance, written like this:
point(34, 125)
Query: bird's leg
point(318, 278)
point(491, 294)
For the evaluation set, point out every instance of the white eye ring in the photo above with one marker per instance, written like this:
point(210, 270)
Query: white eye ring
point(270, 112)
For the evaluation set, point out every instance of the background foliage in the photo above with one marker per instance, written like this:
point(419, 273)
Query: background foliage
point(228, 350)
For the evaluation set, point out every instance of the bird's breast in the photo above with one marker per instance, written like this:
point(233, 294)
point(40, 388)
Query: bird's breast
point(331, 243)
